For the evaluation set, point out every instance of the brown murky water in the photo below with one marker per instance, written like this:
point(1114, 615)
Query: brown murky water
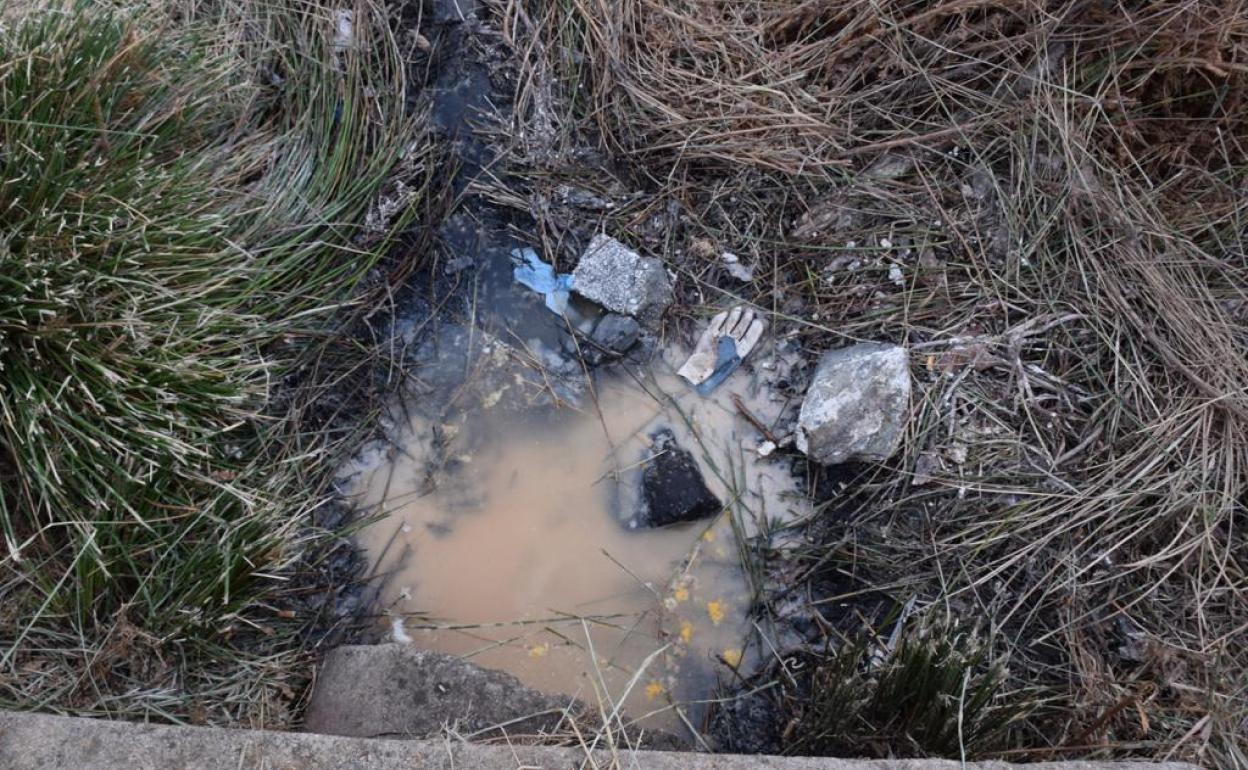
point(496, 536)
point(501, 542)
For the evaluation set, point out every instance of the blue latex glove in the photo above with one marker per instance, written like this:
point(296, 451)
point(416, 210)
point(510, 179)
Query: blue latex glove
point(532, 272)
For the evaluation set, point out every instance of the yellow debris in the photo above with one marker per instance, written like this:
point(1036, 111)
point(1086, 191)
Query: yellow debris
point(653, 690)
point(716, 611)
point(732, 657)
point(539, 650)
point(681, 594)
point(686, 631)
point(709, 536)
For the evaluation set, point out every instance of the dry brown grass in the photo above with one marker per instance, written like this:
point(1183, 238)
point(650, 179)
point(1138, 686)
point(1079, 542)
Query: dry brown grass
point(803, 87)
point(1062, 185)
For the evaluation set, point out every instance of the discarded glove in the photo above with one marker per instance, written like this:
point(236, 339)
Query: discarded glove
point(532, 272)
point(726, 342)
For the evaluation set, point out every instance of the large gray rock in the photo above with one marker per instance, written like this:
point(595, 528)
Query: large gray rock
point(621, 280)
point(399, 691)
point(857, 405)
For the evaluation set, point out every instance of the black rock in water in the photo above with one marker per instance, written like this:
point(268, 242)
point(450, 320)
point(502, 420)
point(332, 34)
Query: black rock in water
point(616, 333)
point(673, 490)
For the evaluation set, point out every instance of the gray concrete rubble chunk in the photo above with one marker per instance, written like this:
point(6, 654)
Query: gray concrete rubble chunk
point(45, 742)
point(857, 405)
point(399, 691)
point(621, 280)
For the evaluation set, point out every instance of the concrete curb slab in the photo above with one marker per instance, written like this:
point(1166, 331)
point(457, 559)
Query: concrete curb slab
point(399, 691)
point(43, 742)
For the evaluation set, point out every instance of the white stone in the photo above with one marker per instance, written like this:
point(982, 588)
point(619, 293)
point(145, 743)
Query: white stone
point(857, 405)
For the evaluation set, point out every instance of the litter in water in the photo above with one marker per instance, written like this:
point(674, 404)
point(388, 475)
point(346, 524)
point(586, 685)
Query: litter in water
point(728, 339)
point(398, 631)
point(532, 272)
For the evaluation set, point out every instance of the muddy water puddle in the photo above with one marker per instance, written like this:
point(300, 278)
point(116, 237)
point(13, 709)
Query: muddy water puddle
point(507, 465)
point(500, 534)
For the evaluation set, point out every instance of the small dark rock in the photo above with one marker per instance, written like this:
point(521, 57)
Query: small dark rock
point(983, 185)
point(457, 265)
point(330, 516)
point(349, 605)
point(616, 333)
point(673, 490)
point(747, 723)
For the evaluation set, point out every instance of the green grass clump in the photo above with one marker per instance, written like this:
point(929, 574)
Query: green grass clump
point(182, 199)
point(937, 694)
